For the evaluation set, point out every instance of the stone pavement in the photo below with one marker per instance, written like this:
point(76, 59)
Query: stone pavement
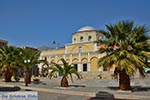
point(89, 88)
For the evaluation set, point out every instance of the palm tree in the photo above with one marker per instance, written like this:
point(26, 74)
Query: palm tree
point(28, 59)
point(65, 69)
point(8, 56)
point(126, 46)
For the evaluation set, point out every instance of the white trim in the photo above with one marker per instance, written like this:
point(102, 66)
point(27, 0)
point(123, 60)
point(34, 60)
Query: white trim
point(66, 49)
point(88, 67)
point(79, 57)
point(95, 46)
point(80, 67)
point(89, 56)
point(79, 43)
point(64, 56)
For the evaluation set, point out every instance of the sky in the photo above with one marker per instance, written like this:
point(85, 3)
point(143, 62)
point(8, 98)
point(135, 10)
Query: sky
point(38, 23)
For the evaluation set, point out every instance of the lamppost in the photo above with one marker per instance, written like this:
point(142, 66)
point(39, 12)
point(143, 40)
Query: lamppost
point(27, 73)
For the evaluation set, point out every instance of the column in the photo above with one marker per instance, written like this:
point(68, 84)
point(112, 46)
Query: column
point(100, 68)
point(70, 58)
point(95, 46)
point(49, 59)
point(79, 57)
point(80, 67)
point(88, 67)
point(66, 49)
point(88, 64)
point(64, 57)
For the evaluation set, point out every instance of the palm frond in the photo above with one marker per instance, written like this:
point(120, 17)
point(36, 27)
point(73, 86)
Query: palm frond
point(133, 47)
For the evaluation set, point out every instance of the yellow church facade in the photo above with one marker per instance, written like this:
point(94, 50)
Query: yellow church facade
point(82, 52)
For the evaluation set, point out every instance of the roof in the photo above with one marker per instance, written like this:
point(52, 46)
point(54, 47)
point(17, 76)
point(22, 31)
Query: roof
point(86, 28)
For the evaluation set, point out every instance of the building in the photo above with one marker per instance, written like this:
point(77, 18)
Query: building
point(27, 47)
point(3, 43)
point(82, 52)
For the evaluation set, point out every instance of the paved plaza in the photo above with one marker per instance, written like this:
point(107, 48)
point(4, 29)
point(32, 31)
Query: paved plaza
point(85, 89)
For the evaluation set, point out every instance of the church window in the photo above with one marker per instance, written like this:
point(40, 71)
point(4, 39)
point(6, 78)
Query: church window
point(89, 38)
point(81, 39)
point(80, 49)
point(76, 66)
point(74, 40)
point(84, 67)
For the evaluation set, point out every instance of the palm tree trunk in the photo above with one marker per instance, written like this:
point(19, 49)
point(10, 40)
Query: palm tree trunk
point(124, 81)
point(27, 76)
point(64, 82)
point(7, 75)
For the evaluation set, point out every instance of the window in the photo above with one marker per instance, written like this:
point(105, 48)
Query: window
point(45, 58)
point(89, 38)
point(76, 66)
point(85, 67)
point(80, 49)
point(81, 39)
point(74, 40)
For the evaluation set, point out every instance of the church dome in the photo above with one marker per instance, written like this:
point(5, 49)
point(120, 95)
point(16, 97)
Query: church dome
point(86, 28)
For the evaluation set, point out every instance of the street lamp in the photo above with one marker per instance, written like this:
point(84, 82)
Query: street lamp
point(27, 73)
point(26, 61)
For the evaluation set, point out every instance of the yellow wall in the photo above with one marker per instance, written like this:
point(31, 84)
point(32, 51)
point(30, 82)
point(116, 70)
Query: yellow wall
point(84, 60)
point(75, 60)
point(86, 47)
point(53, 52)
point(94, 64)
point(68, 60)
point(85, 36)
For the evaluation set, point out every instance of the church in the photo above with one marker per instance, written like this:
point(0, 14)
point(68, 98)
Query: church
point(82, 52)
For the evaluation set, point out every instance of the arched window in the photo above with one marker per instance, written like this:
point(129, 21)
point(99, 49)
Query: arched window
point(74, 40)
point(80, 49)
point(81, 39)
point(89, 38)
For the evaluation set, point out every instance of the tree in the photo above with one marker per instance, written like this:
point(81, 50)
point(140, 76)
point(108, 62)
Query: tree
point(65, 69)
point(28, 59)
point(8, 56)
point(126, 46)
